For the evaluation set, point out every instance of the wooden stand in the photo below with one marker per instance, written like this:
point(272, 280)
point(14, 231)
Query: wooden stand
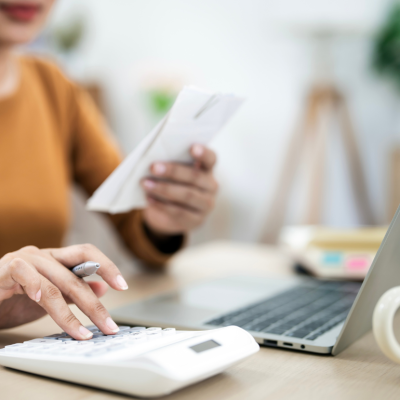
point(325, 105)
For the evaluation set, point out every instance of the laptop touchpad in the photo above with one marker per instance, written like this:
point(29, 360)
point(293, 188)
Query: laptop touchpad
point(233, 292)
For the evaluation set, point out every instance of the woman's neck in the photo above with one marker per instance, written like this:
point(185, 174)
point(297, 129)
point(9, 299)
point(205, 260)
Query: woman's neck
point(8, 72)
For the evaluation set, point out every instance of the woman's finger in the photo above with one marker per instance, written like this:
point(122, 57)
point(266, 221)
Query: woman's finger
point(55, 305)
point(19, 272)
point(188, 175)
point(77, 290)
point(184, 195)
point(204, 155)
point(73, 255)
point(99, 288)
point(183, 217)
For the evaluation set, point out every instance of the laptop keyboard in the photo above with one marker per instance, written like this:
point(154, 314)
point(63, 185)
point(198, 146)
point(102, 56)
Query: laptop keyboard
point(305, 312)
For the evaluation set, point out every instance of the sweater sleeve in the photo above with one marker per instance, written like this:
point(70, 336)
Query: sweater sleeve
point(95, 155)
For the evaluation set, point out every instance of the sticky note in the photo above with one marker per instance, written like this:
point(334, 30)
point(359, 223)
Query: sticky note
point(357, 263)
point(332, 260)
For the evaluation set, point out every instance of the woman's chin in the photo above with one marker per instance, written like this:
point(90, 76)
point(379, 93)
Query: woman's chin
point(17, 35)
point(18, 32)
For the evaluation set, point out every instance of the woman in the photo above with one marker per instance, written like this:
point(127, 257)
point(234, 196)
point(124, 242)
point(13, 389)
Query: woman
point(51, 136)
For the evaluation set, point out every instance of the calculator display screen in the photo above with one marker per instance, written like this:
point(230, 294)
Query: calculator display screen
point(210, 344)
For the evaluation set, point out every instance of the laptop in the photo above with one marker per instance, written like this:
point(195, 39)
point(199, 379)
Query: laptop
point(303, 314)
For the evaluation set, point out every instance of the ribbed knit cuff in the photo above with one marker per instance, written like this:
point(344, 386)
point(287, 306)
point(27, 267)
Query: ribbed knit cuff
point(138, 237)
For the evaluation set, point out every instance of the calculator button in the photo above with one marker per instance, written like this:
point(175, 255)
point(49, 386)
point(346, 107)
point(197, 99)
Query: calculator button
point(153, 335)
point(96, 353)
point(69, 353)
point(153, 329)
point(34, 349)
point(168, 331)
point(55, 336)
point(137, 339)
point(101, 346)
point(74, 353)
point(137, 328)
point(136, 335)
point(69, 349)
point(60, 336)
point(53, 343)
point(82, 352)
point(84, 349)
point(49, 350)
point(58, 350)
point(41, 341)
point(117, 340)
point(124, 328)
point(92, 328)
point(15, 348)
point(116, 347)
point(122, 333)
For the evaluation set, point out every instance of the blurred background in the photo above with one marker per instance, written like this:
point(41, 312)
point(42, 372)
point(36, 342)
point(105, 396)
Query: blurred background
point(135, 56)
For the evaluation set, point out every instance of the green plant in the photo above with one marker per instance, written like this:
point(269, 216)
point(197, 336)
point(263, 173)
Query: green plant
point(161, 100)
point(67, 36)
point(386, 50)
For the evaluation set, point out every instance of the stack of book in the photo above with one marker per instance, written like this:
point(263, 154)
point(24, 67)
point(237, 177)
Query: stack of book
point(330, 252)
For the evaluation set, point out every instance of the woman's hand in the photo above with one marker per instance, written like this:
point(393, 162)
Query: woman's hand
point(180, 196)
point(45, 284)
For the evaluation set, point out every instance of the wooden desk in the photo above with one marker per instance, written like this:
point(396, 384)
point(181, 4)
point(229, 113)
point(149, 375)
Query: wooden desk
point(360, 372)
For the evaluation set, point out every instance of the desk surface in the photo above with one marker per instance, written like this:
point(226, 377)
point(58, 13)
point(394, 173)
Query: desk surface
point(361, 371)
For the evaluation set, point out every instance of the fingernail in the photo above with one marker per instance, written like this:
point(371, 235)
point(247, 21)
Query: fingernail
point(122, 283)
point(112, 325)
point(86, 334)
point(159, 168)
point(198, 150)
point(38, 296)
point(148, 184)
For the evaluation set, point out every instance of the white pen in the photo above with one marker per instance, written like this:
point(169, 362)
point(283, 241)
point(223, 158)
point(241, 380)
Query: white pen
point(86, 269)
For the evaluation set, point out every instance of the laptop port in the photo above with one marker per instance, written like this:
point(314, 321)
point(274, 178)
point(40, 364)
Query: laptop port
point(288, 344)
point(270, 342)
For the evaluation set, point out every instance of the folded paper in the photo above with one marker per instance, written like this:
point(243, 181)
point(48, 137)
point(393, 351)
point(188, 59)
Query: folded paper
point(195, 117)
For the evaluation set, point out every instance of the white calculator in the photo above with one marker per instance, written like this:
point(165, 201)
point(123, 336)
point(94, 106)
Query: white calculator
point(140, 361)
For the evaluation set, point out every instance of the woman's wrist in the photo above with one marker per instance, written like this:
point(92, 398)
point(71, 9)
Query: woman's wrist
point(165, 243)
